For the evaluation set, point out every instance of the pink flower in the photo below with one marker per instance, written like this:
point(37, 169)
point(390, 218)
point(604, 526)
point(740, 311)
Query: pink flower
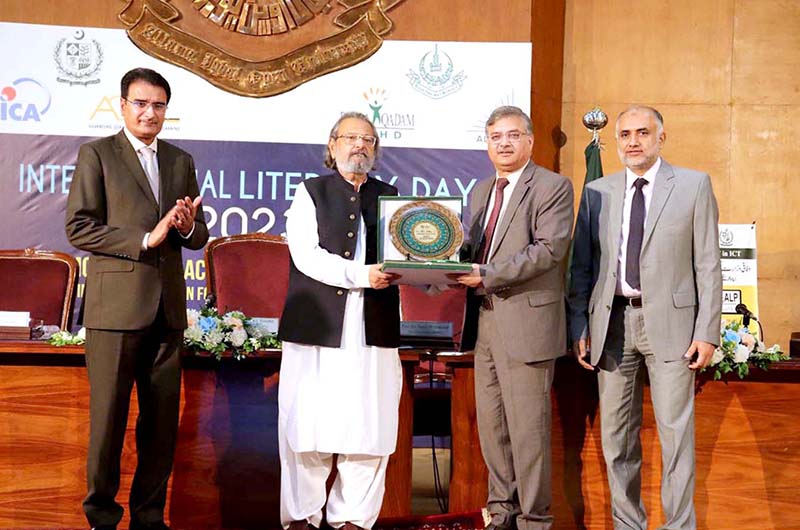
point(748, 340)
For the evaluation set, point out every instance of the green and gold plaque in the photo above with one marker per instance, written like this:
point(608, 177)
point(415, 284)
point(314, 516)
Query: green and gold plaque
point(426, 230)
point(421, 238)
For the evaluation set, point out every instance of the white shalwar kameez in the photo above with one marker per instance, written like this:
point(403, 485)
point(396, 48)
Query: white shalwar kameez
point(335, 400)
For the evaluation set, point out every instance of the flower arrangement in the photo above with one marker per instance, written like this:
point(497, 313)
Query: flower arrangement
point(65, 338)
point(233, 331)
point(738, 350)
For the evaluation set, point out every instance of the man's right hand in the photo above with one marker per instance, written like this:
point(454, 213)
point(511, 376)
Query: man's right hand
point(379, 279)
point(159, 233)
point(579, 349)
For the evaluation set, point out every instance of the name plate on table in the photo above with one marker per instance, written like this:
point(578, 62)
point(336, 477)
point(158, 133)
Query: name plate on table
point(420, 238)
point(15, 325)
point(268, 325)
point(427, 329)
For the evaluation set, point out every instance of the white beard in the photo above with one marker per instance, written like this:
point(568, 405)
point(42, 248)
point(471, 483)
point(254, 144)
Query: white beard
point(356, 165)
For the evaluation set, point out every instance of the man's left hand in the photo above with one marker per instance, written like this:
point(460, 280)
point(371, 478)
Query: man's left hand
point(704, 351)
point(185, 211)
point(471, 279)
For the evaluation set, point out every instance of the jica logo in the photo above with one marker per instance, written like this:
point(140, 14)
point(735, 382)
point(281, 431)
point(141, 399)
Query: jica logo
point(25, 99)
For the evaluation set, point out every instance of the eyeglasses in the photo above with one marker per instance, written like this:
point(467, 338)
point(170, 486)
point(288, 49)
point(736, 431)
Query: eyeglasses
point(141, 105)
point(351, 139)
point(511, 136)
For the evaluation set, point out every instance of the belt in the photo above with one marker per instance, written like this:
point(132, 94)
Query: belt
point(486, 303)
point(636, 301)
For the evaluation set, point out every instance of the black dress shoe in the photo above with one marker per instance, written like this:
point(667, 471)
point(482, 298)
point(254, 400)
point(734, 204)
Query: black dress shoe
point(105, 527)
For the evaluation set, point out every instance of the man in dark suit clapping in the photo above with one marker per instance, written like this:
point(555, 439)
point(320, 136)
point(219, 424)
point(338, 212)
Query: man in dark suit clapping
point(134, 205)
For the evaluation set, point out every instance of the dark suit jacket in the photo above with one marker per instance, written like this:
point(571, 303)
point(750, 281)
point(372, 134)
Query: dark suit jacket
point(524, 275)
point(109, 210)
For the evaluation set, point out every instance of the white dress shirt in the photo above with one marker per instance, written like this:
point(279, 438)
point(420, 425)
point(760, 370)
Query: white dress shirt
point(630, 177)
point(138, 145)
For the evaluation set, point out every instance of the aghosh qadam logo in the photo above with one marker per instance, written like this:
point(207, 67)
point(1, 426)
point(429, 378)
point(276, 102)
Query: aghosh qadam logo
point(25, 99)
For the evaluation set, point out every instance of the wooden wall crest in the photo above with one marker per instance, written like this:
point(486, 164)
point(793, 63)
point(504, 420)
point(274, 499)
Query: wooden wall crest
point(258, 48)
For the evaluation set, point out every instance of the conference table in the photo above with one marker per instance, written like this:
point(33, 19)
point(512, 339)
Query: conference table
point(226, 472)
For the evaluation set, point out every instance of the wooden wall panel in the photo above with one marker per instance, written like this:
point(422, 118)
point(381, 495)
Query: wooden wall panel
point(765, 188)
point(654, 50)
point(547, 35)
point(705, 65)
point(766, 52)
point(87, 13)
point(462, 20)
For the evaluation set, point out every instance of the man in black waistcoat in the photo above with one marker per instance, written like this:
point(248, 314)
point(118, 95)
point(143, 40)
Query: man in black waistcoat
point(340, 377)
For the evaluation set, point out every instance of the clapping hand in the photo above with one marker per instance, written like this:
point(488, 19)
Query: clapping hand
point(184, 213)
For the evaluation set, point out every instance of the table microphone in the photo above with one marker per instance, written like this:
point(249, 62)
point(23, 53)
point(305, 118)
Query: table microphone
point(741, 309)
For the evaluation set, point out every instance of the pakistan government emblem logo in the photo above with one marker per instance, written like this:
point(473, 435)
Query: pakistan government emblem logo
point(78, 59)
point(726, 237)
point(434, 76)
point(258, 48)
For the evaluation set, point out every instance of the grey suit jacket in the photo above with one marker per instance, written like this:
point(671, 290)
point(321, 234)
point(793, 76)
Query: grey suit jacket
point(680, 270)
point(524, 275)
point(109, 210)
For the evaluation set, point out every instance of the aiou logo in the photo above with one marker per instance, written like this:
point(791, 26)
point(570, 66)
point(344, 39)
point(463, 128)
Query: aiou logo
point(25, 99)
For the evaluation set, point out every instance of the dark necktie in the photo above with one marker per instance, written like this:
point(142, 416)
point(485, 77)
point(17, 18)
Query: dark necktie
point(486, 242)
point(635, 236)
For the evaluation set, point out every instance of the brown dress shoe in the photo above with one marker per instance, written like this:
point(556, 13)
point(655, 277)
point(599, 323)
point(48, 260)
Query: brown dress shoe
point(350, 526)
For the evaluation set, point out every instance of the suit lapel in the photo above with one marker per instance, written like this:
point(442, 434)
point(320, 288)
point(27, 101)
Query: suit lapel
point(480, 198)
point(166, 163)
point(613, 224)
point(134, 167)
point(661, 192)
point(520, 191)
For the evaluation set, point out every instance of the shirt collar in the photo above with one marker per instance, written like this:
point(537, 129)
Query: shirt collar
point(649, 175)
point(138, 144)
point(513, 177)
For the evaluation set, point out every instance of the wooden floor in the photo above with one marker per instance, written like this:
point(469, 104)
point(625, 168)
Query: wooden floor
point(226, 471)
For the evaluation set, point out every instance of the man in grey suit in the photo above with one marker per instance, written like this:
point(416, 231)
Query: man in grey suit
point(134, 205)
point(521, 221)
point(646, 289)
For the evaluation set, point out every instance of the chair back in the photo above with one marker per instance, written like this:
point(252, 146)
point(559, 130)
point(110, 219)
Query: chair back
point(447, 306)
point(249, 273)
point(40, 282)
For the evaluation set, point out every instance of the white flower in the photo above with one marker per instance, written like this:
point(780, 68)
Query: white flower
point(213, 338)
point(193, 334)
point(238, 336)
point(192, 316)
point(741, 354)
point(81, 334)
point(717, 357)
point(760, 346)
point(254, 342)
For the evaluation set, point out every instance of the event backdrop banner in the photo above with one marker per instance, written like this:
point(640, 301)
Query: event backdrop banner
point(737, 247)
point(428, 100)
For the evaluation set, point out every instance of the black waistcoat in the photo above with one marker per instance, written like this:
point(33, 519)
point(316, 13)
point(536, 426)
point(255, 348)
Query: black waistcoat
point(314, 311)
